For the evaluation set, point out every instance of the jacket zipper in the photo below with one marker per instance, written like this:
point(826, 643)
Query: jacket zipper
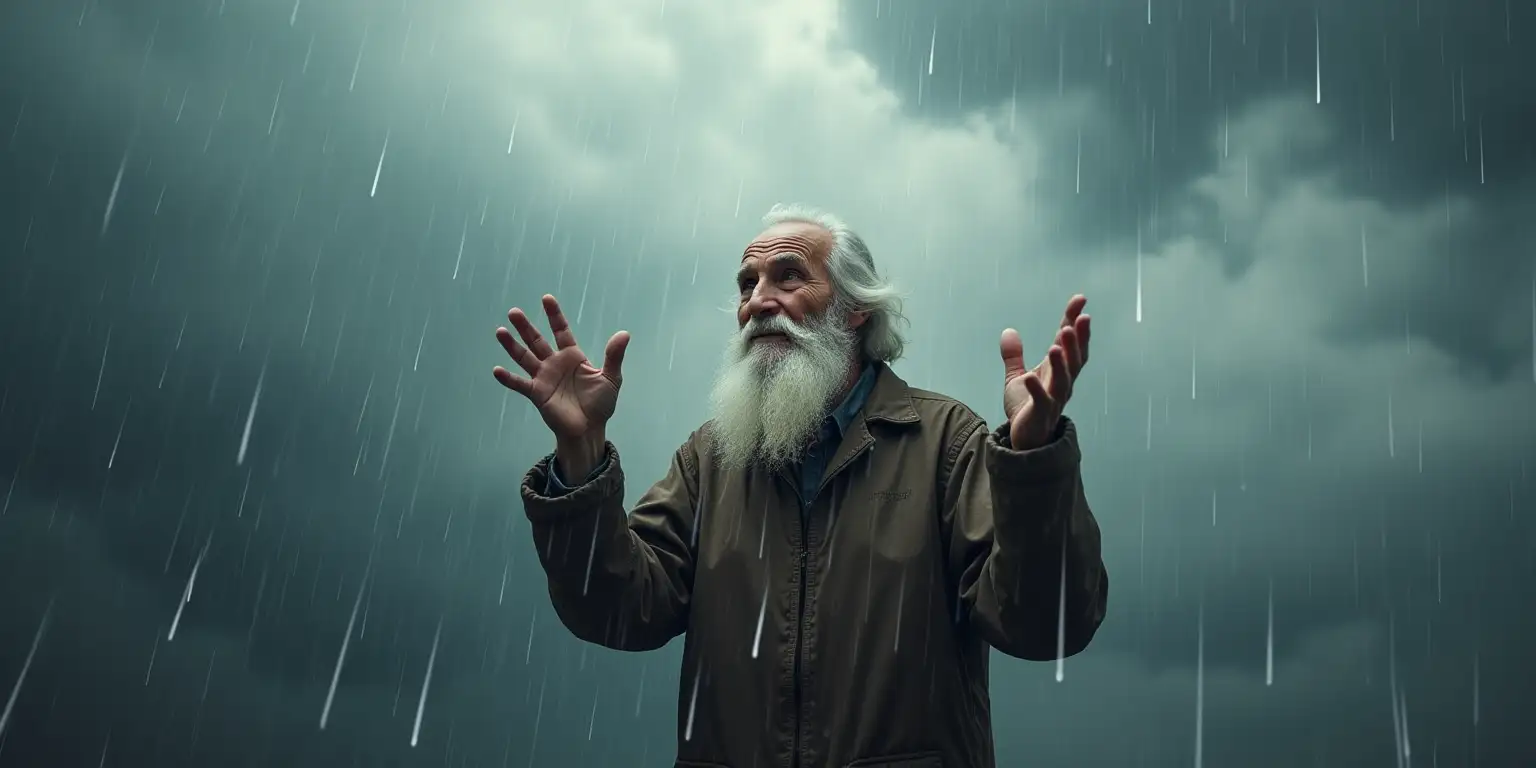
point(805, 513)
point(800, 629)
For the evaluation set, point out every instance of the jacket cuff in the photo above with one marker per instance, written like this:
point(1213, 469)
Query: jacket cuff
point(557, 487)
point(542, 508)
point(1050, 463)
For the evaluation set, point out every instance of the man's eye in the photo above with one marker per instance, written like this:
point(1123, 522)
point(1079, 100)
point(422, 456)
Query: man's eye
point(792, 274)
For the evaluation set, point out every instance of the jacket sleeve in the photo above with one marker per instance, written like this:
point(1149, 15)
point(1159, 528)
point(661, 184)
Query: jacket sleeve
point(1023, 547)
point(618, 580)
point(554, 486)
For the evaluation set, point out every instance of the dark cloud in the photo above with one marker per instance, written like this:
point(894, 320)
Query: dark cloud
point(1410, 80)
point(1427, 101)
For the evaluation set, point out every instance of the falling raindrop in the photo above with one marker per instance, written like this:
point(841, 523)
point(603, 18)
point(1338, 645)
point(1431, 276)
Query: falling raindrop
point(1317, 30)
point(117, 183)
point(26, 666)
point(933, 42)
point(1365, 262)
point(1138, 272)
point(1077, 184)
point(358, 62)
point(1061, 614)
point(1194, 371)
point(1200, 687)
point(341, 656)
point(119, 439)
point(186, 593)
point(1391, 429)
point(272, 120)
point(426, 683)
point(693, 703)
point(250, 416)
point(379, 169)
point(1269, 639)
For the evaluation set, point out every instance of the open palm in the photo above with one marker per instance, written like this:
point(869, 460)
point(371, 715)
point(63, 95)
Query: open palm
point(572, 397)
point(1033, 398)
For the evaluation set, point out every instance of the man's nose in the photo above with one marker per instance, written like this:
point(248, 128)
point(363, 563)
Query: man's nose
point(764, 302)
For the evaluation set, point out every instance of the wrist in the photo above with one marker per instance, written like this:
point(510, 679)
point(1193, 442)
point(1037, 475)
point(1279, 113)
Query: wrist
point(577, 457)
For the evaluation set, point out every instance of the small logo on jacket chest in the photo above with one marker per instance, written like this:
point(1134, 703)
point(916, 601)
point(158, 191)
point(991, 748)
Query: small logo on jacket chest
point(890, 496)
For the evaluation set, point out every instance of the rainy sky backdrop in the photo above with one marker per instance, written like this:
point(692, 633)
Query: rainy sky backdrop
point(254, 252)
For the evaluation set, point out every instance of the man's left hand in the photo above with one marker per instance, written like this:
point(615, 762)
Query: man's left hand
point(1033, 398)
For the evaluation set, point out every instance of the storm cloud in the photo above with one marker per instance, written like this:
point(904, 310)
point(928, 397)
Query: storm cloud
point(254, 253)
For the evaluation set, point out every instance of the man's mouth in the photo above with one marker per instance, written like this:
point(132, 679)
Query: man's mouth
point(770, 335)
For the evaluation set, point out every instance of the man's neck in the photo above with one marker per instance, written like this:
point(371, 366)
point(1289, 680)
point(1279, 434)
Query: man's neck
point(854, 372)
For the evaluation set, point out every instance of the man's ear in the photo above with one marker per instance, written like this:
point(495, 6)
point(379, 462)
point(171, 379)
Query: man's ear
point(856, 319)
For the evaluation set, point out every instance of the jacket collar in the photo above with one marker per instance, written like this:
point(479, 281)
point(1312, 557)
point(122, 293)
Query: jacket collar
point(844, 414)
point(890, 400)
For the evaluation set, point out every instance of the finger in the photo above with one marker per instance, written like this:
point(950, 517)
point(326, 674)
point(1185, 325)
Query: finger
point(1060, 384)
point(1012, 349)
point(1074, 308)
point(1037, 391)
point(513, 382)
point(613, 357)
point(531, 337)
point(518, 352)
point(1083, 332)
point(1066, 338)
point(557, 324)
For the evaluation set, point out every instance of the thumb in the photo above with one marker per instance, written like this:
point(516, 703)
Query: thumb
point(613, 357)
point(1012, 349)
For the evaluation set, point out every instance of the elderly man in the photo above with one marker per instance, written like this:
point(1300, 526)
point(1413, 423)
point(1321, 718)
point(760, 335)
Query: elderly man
point(840, 550)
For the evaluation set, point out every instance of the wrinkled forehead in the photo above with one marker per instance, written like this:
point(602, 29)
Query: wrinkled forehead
point(794, 238)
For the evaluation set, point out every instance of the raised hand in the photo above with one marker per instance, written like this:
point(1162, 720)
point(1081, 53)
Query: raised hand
point(575, 399)
point(1033, 398)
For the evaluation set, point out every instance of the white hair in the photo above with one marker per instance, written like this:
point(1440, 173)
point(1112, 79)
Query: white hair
point(857, 287)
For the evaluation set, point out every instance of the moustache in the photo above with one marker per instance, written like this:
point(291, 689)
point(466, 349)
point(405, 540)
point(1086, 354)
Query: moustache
point(774, 325)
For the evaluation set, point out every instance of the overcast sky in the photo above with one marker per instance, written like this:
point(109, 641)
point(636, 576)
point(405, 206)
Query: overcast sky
point(254, 252)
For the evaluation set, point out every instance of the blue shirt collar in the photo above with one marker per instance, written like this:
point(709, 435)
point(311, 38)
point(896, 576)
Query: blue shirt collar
point(844, 414)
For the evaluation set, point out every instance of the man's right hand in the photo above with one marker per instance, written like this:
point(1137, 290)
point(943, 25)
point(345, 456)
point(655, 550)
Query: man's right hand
point(575, 399)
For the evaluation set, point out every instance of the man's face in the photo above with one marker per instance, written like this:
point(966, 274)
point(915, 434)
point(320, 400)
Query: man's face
point(791, 355)
point(784, 271)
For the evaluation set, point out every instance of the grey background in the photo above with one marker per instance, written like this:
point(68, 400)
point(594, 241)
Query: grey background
point(1326, 396)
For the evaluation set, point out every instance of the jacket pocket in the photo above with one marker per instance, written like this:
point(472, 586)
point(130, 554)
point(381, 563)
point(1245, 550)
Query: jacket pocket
point(913, 760)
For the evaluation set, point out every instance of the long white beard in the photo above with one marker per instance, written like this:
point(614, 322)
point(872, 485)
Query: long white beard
point(769, 399)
